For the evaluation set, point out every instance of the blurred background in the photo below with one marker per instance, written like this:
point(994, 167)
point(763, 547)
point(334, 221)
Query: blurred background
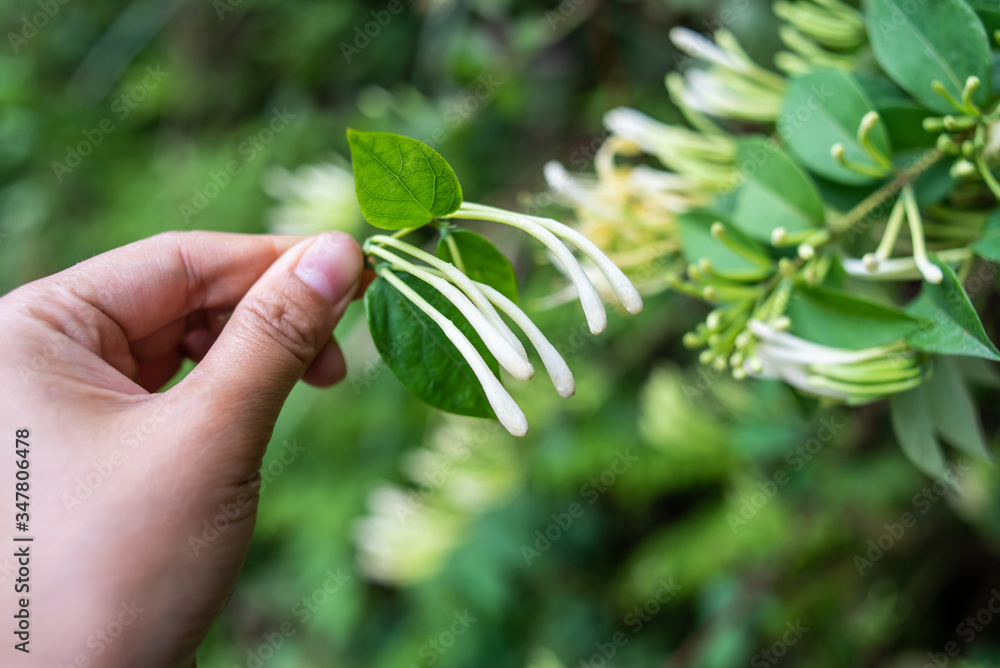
point(664, 516)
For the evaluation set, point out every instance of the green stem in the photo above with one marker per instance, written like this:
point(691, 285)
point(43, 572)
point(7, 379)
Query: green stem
point(879, 197)
point(456, 257)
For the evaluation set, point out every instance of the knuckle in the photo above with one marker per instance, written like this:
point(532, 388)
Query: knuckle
point(285, 322)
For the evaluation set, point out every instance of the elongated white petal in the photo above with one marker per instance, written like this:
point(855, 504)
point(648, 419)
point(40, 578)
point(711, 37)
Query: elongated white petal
point(795, 375)
point(593, 307)
point(554, 363)
point(508, 412)
point(699, 46)
point(620, 283)
point(514, 362)
point(466, 284)
point(791, 348)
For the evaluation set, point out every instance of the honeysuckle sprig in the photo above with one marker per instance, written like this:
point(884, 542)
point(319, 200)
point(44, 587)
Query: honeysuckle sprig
point(464, 290)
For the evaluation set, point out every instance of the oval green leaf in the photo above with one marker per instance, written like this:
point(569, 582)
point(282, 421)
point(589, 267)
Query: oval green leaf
point(424, 360)
point(838, 320)
point(480, 260)
point(953, 326)
point(823, 108)
point(917, 43)
point(911, 421)
point(401, 182)
point(777, 192)
point(988, 246)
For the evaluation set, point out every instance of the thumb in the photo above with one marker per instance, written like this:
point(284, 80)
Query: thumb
point(277, 330)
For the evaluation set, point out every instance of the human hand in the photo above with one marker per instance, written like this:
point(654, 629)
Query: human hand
point(122, 478)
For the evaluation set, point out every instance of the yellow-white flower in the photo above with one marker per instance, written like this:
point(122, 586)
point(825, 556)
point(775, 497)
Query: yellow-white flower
point(313, 199)
point(730, 85)
point(707, 162)
point(481, 304)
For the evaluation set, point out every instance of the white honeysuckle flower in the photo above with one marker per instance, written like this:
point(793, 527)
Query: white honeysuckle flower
point(718, 95)
point(313, 199)
point(606, 196)
point(898, 269)
point(465, 468)
point(554, 363)
point(590, 300)
point(708, 162)
point(466, 284)
point(853, 376)
point(699, 46)
point(516, 363)
point(507, 411)
point(732, 85)
point(620, 283)
point(402, 549)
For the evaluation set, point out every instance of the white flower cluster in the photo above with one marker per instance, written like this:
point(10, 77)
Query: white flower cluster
point(313, 199)
point(466, 469)
point(481, 305)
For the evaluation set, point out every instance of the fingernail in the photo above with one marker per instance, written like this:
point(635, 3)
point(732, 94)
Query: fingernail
point(331, 266)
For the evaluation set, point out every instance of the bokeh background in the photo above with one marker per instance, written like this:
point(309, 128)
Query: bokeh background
point(665, 516)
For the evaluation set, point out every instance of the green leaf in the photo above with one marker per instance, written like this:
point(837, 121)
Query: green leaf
point(823, 108)
point(917, 43)
point(697, 243)
point(912, 424)
point(838, 320)
point(401, 182)
point(953, 326)
point(953, 410)
point(988, 246)
point(777, 192)
point(420, 354)
point(480, 260)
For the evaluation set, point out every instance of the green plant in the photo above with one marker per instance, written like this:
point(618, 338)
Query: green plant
point(436, 318)
point(807, 234)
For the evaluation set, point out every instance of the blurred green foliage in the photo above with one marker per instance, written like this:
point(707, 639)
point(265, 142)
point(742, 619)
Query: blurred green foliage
point(644, 517)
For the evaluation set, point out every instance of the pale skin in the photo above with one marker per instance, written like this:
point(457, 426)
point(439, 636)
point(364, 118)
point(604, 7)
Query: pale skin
point(123, 477)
